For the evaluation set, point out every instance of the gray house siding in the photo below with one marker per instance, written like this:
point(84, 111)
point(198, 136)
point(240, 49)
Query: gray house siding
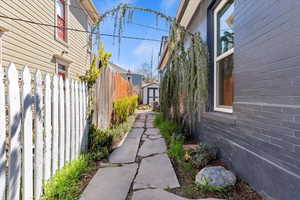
point(261, 139)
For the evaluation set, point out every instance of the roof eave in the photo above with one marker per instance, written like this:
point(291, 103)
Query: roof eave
point(91, 9)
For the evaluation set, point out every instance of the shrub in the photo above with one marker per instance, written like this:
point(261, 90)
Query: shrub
point(203, 154)
point(100, 142)
point(64, 185)
point(123, 108)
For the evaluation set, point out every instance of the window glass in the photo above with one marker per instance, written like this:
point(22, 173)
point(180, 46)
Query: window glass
point(225, 81)
point(225, 34)
point(60, 8)
point(61, 70)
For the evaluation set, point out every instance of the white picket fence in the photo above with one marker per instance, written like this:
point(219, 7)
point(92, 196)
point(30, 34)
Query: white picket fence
point(44, 128)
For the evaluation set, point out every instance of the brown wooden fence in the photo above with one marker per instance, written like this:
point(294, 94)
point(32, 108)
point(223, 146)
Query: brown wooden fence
point(109, 86)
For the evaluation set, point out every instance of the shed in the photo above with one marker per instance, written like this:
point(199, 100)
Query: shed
point(150, 93)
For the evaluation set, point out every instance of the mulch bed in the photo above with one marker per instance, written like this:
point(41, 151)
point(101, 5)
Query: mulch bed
point(186, 176)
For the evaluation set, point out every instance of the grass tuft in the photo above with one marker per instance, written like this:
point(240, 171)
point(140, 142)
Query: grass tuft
point(65, 184)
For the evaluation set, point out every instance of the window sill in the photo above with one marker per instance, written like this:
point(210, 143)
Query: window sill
point(224, 118)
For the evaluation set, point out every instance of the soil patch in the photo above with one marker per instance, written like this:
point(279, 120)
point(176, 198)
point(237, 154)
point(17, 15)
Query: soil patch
point(186, 175)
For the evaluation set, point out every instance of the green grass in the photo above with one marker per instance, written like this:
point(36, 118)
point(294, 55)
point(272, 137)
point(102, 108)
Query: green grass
point(65, 184)
point(169, 131)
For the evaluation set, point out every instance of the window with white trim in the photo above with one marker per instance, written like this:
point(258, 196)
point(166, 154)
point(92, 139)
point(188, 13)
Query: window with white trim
point(62, 65)
point(61, 19)
point(223, 56)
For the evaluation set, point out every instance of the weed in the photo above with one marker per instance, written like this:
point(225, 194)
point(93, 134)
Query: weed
point(206, 187)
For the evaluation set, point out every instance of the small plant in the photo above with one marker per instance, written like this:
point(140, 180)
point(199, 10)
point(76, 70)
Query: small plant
point(176, 150)
point(202, 155)
point(64, 185)
point(209, 188)
point(100, 143)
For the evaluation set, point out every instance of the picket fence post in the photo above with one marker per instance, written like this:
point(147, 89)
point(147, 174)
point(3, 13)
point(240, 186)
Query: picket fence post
point(73, 130)
point(2, 138)
point(61, 123)
point(48, 128)
point(77, 118)
point(55, 129)
point(67, 119)
point(39, 139)
point(27, 102)
point(14, 162)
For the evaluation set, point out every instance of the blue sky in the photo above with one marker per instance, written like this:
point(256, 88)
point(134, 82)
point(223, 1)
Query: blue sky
point(135, 52)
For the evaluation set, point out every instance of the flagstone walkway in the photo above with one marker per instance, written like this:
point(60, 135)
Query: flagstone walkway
point(143, 168)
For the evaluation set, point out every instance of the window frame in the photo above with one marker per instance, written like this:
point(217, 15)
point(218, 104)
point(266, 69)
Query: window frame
point(60, 60)
point(66, 21)
point(217, 58)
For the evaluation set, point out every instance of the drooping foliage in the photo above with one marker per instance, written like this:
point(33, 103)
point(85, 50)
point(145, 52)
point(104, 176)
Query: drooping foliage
point(184, 84)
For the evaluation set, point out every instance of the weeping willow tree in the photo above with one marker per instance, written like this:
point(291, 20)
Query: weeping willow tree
point(184, 84)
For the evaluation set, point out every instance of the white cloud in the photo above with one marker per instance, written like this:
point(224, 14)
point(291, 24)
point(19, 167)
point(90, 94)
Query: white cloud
point(167, 4)
point(145, 48)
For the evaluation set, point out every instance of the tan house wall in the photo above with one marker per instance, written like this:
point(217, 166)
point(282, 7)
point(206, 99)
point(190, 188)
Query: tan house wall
point(35, 45)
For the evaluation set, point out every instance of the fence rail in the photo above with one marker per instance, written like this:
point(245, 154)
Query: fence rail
point(43, 125)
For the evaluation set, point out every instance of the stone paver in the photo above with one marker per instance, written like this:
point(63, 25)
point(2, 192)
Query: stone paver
point(139, 124)
point(151, 147)
point(152, 131)
point(149, 125)
point(158, 194)
point(156, 172)
point(111, 183)
point(127, 152)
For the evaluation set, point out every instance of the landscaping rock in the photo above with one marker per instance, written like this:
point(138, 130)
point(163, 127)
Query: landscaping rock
point(151, 147)
point(216, 176)
point(158, 194)
point(156, 172)
point(188, 147)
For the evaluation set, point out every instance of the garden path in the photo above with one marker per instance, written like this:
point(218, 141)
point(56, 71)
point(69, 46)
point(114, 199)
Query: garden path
point(140, 168)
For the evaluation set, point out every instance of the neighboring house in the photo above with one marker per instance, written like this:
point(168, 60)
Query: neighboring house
point(150, 93)
point(47, 48)
point(134, 78)
point(253, 110)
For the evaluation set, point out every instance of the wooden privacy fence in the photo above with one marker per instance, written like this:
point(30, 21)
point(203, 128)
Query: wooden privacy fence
point(110, 85)
point(43, 125)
